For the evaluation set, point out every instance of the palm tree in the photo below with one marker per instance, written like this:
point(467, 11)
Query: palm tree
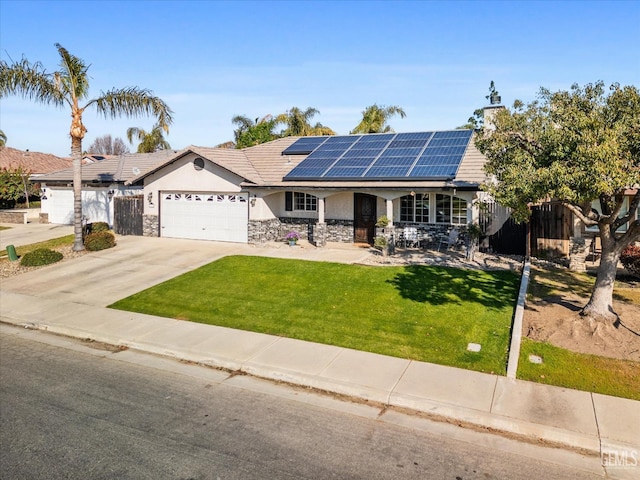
point(68, 87)
point(149, 141)
point(3, 139)
point(298, 123)
point(374, 119)
point(254, 132)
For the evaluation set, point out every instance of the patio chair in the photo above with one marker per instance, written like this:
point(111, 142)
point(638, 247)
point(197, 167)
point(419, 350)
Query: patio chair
point(449, 240)
point(408, 237)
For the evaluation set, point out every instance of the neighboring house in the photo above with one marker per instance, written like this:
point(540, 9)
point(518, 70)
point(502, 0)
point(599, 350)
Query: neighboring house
point(328, 188)
point(34, 162)
point(102, 181)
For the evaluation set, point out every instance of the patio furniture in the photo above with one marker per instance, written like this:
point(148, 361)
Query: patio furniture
point(449, 240)
point(408, 238)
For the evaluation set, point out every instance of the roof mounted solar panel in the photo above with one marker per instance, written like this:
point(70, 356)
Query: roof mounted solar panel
point(390, 156)
point(304, 145)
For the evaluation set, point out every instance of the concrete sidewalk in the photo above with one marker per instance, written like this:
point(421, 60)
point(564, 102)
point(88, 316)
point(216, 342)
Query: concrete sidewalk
point(69, 298)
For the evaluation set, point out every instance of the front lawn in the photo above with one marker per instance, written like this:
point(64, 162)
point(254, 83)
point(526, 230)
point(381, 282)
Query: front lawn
point(422, 313)
point(608, 376)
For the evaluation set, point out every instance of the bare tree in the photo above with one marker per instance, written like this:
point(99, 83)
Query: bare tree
point(106, 145)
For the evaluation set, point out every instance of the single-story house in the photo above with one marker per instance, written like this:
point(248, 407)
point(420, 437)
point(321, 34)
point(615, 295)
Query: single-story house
point(102, 181)
point(330, 188)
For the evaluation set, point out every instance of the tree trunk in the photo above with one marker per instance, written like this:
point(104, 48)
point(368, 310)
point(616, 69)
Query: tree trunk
point(600, 306)
point(76, 154)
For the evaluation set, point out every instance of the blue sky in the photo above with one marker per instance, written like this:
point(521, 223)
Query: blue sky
point(211, 60)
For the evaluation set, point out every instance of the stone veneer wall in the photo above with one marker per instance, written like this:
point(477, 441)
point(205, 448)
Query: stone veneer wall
point(150, 226)
point(13, 216)
point(579, 248)
point(274, 230)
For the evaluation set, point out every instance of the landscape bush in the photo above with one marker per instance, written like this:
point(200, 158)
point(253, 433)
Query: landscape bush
point(39, 257)
point(97, 227)
point(99, 241)
point(630, 259)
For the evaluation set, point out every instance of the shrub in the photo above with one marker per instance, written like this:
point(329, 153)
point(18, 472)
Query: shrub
point(99, 241)
point(39, 257)
point(630, 259)
point(380, 241)
point(97, 227)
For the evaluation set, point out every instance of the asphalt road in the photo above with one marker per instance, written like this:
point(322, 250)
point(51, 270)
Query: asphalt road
point(78, 411)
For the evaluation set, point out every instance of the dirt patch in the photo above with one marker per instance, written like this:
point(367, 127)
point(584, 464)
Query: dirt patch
point(556, 319)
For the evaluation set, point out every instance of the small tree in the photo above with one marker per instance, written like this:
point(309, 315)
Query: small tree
point(106, 145)
point(14, 185)
point(574, 147)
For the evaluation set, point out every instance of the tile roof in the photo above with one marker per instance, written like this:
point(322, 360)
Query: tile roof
point(35, 162)
point(262, 165)
point(114, 169)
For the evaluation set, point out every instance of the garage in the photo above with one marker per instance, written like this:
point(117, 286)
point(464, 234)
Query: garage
point(58, 204)
point(204, 216)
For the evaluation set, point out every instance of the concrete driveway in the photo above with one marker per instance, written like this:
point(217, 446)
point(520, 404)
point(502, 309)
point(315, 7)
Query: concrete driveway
point(103, 277)
point(100, 278)
point(19, 234)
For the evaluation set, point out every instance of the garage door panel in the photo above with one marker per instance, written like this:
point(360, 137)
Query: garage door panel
point(210, 216)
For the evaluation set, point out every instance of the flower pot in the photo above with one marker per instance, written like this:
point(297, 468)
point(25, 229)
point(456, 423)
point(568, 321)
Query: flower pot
point(292, 243)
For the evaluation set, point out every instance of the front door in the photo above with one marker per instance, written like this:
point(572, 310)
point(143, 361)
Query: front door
point(364, 218)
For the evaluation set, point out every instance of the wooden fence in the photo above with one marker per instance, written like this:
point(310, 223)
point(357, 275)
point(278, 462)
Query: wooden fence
point(127, 215)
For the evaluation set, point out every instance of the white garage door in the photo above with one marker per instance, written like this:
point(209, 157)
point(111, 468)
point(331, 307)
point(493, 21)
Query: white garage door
point(204, 216)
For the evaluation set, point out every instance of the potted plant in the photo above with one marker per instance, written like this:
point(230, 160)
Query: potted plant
point(292, 237)
point(383, 221)
point(381, 243)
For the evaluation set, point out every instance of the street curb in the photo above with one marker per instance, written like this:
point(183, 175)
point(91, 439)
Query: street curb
point(516, 330)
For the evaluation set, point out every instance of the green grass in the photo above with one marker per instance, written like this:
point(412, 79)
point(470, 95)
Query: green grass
point(565, 368)
point(579, 371)
point(52, 244)
point(417, 312)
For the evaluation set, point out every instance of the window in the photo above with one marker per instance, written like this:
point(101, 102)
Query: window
point(443, 208)
point(415, 208)
point(420, 208)
point(595, 205)
point(406, 208)
point(459, 211)
point(301, 202)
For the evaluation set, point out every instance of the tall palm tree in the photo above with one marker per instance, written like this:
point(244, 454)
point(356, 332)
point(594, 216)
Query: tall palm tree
point(149, 141)
point(374, 119)
point(298, 123)
point(68, 87)
point(3, 139)
point(254, 132)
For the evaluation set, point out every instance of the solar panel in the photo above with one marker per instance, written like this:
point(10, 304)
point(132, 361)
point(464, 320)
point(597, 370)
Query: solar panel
point(403, 156)
point(304, 145)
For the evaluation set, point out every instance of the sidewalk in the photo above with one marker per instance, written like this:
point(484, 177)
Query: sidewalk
point(69, 298)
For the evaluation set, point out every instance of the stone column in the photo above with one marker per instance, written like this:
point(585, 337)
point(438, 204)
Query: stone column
point(320, 234)
point(578, 251)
